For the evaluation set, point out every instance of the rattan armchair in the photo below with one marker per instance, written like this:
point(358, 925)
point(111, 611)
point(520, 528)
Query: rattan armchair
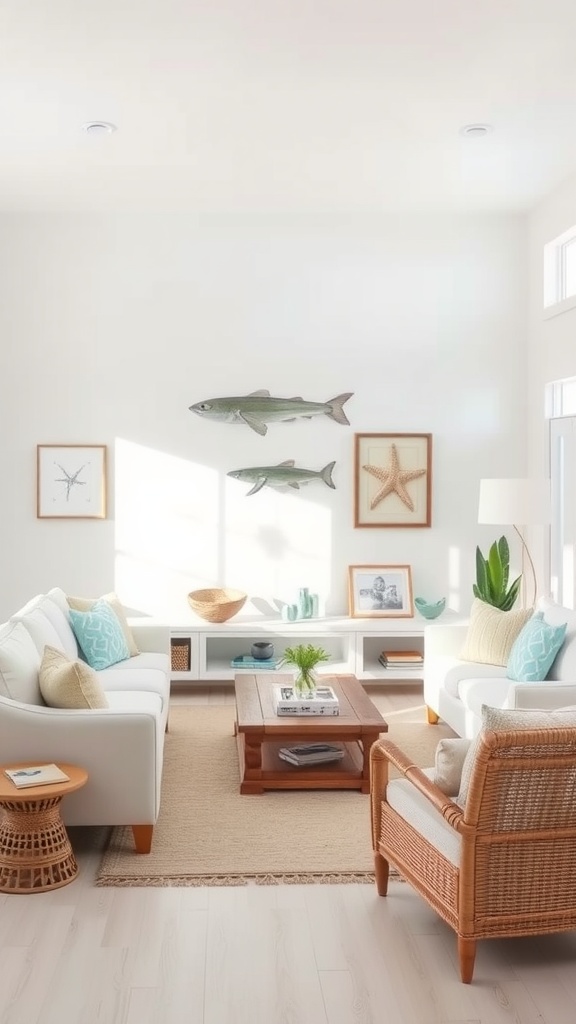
point(505, 865)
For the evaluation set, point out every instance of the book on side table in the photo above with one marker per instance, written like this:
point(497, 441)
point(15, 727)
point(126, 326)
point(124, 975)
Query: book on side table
point(36, 775)
point(323, 702)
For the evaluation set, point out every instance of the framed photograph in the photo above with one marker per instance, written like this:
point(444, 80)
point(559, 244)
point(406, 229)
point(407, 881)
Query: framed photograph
point(392, 479)
point(71, 481)
point(380, 591)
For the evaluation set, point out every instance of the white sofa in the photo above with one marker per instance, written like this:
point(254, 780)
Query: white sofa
point(120, 746)
point(454, 690)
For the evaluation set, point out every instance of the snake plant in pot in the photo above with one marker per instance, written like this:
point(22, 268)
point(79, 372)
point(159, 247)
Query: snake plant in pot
point(492, 575)
point(304, 657)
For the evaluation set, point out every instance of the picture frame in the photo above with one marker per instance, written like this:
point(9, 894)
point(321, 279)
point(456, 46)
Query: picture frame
point(392, 480)
point(380, 591)
point(71, 481)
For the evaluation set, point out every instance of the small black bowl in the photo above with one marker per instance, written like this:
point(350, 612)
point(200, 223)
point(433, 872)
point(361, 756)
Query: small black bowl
point(262, 649)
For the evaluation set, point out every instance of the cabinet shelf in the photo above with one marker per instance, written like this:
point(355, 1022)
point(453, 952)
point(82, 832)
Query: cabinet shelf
point(354, 645)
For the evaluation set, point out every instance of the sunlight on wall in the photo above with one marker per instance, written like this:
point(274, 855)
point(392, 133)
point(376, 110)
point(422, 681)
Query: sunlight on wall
point(181, 525)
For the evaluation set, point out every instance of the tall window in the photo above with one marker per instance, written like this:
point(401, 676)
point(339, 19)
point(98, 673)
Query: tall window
point(561, 409)
point(560, 273)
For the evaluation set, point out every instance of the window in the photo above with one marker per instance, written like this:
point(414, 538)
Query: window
point(560, 273)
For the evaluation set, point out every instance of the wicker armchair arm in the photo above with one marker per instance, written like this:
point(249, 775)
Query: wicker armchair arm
point(383, 753)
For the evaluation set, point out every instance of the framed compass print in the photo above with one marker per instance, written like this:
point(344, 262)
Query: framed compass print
point(71, 481)
point(392, 480)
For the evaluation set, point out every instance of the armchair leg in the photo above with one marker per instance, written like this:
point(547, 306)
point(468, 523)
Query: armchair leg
point(431, 716)
point(466, 955)
point(382, 870)
point(142, 837)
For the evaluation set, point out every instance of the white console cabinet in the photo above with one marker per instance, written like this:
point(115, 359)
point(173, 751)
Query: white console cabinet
point(203, 651)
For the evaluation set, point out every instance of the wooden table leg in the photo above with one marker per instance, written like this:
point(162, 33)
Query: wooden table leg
point(252, 777)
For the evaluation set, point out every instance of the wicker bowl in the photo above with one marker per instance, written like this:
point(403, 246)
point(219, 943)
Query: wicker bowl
point(218, 604)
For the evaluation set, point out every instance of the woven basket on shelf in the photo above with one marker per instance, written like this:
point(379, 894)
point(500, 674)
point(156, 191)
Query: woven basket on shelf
point(218, 604)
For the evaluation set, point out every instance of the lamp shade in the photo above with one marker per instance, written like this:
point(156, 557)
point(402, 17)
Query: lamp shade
point(509, 501)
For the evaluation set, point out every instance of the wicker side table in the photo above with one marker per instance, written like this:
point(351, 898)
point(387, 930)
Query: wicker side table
point(35, 851)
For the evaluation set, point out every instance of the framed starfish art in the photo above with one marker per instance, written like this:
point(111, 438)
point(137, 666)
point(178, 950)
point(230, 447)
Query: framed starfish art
point(392, 480)
point(71, 481)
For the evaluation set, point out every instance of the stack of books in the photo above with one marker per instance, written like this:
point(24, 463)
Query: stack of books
point(323, 702)
point(262, 664)
point(401, 659)
point(311, 753)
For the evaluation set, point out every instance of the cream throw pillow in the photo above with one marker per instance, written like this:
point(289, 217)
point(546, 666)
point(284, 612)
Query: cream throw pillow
point(448, 764)
point(503, 720)
point(85, 604)
point(69, 684)
point(492, 632)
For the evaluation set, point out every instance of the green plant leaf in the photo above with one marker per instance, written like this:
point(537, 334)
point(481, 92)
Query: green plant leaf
point(495, 572)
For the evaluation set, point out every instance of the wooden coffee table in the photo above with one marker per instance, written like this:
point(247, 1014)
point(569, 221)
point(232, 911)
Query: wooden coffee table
point(260, 733)
point(35, 851)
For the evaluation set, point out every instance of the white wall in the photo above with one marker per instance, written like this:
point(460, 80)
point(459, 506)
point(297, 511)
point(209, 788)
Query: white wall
point(113, 326)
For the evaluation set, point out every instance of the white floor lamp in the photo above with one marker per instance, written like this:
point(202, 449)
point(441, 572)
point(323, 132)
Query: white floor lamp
point(517, 503)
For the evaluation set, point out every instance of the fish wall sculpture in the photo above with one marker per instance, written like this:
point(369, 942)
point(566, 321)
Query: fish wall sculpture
point(260, 407)
point(284, 474)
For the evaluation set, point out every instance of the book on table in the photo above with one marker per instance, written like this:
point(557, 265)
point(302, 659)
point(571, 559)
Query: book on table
point(322, 702)
point(36, 775)
point(311, 753)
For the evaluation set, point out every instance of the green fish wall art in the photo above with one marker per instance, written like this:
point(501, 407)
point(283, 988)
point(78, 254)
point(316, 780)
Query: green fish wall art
point(260, 407)
point(285, 474)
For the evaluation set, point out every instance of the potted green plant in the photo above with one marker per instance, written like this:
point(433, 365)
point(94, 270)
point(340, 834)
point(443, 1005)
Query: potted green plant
point(304, 657)
point(492, 577)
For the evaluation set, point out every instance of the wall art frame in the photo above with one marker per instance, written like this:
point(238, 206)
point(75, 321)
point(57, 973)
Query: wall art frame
point(392, 480)
point(71, 481)
point(380, 591)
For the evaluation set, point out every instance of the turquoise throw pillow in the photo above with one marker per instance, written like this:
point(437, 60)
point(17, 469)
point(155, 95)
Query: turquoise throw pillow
point(534, 650)
point(100, 635)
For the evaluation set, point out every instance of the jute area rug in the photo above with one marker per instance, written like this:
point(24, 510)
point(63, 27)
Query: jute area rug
point(208, 834)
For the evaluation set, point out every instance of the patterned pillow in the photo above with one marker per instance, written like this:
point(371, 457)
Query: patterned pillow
point(511, 719)
point(100, 635)
point(69, 684)
point(491, 633)
point(534, 650)
point(85, 604)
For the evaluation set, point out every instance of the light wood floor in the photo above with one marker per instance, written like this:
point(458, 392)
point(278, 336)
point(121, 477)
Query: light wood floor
point(272, 954)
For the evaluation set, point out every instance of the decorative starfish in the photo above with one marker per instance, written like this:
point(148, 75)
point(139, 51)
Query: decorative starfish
point(70, 480)
point(393, 480)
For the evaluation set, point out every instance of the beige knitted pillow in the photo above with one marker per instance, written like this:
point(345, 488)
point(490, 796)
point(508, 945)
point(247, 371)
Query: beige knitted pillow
point(492, 632)
point(509, 720)
point(69, 684)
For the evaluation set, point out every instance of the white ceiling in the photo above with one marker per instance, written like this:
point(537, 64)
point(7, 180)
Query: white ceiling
point(287, 105)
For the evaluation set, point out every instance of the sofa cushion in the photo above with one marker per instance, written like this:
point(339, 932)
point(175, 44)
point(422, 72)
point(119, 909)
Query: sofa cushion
point(458, 671)
point(47, 624)
point(564, 665)
point(475, 692)
point(509, 720)
point(69, 684)
point(85, 604)
point(448, 762)
point(19, 664)
point(534, 650)
point(491, 633)
point(100, 635)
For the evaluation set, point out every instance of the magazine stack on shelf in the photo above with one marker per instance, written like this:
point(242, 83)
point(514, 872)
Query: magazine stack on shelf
point(311, 753)
point(262, 664)
point(401, 659)
point(323, 702)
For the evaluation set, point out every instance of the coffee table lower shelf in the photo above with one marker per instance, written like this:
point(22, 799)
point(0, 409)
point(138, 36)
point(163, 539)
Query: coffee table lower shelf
point(274, 773)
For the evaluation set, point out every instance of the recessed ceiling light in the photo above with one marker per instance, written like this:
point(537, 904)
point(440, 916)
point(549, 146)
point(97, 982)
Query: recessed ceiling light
point(98, 128)
point(475, 131)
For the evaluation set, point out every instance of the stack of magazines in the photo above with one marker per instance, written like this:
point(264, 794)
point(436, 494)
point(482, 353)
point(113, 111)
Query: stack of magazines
point(311, 753)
